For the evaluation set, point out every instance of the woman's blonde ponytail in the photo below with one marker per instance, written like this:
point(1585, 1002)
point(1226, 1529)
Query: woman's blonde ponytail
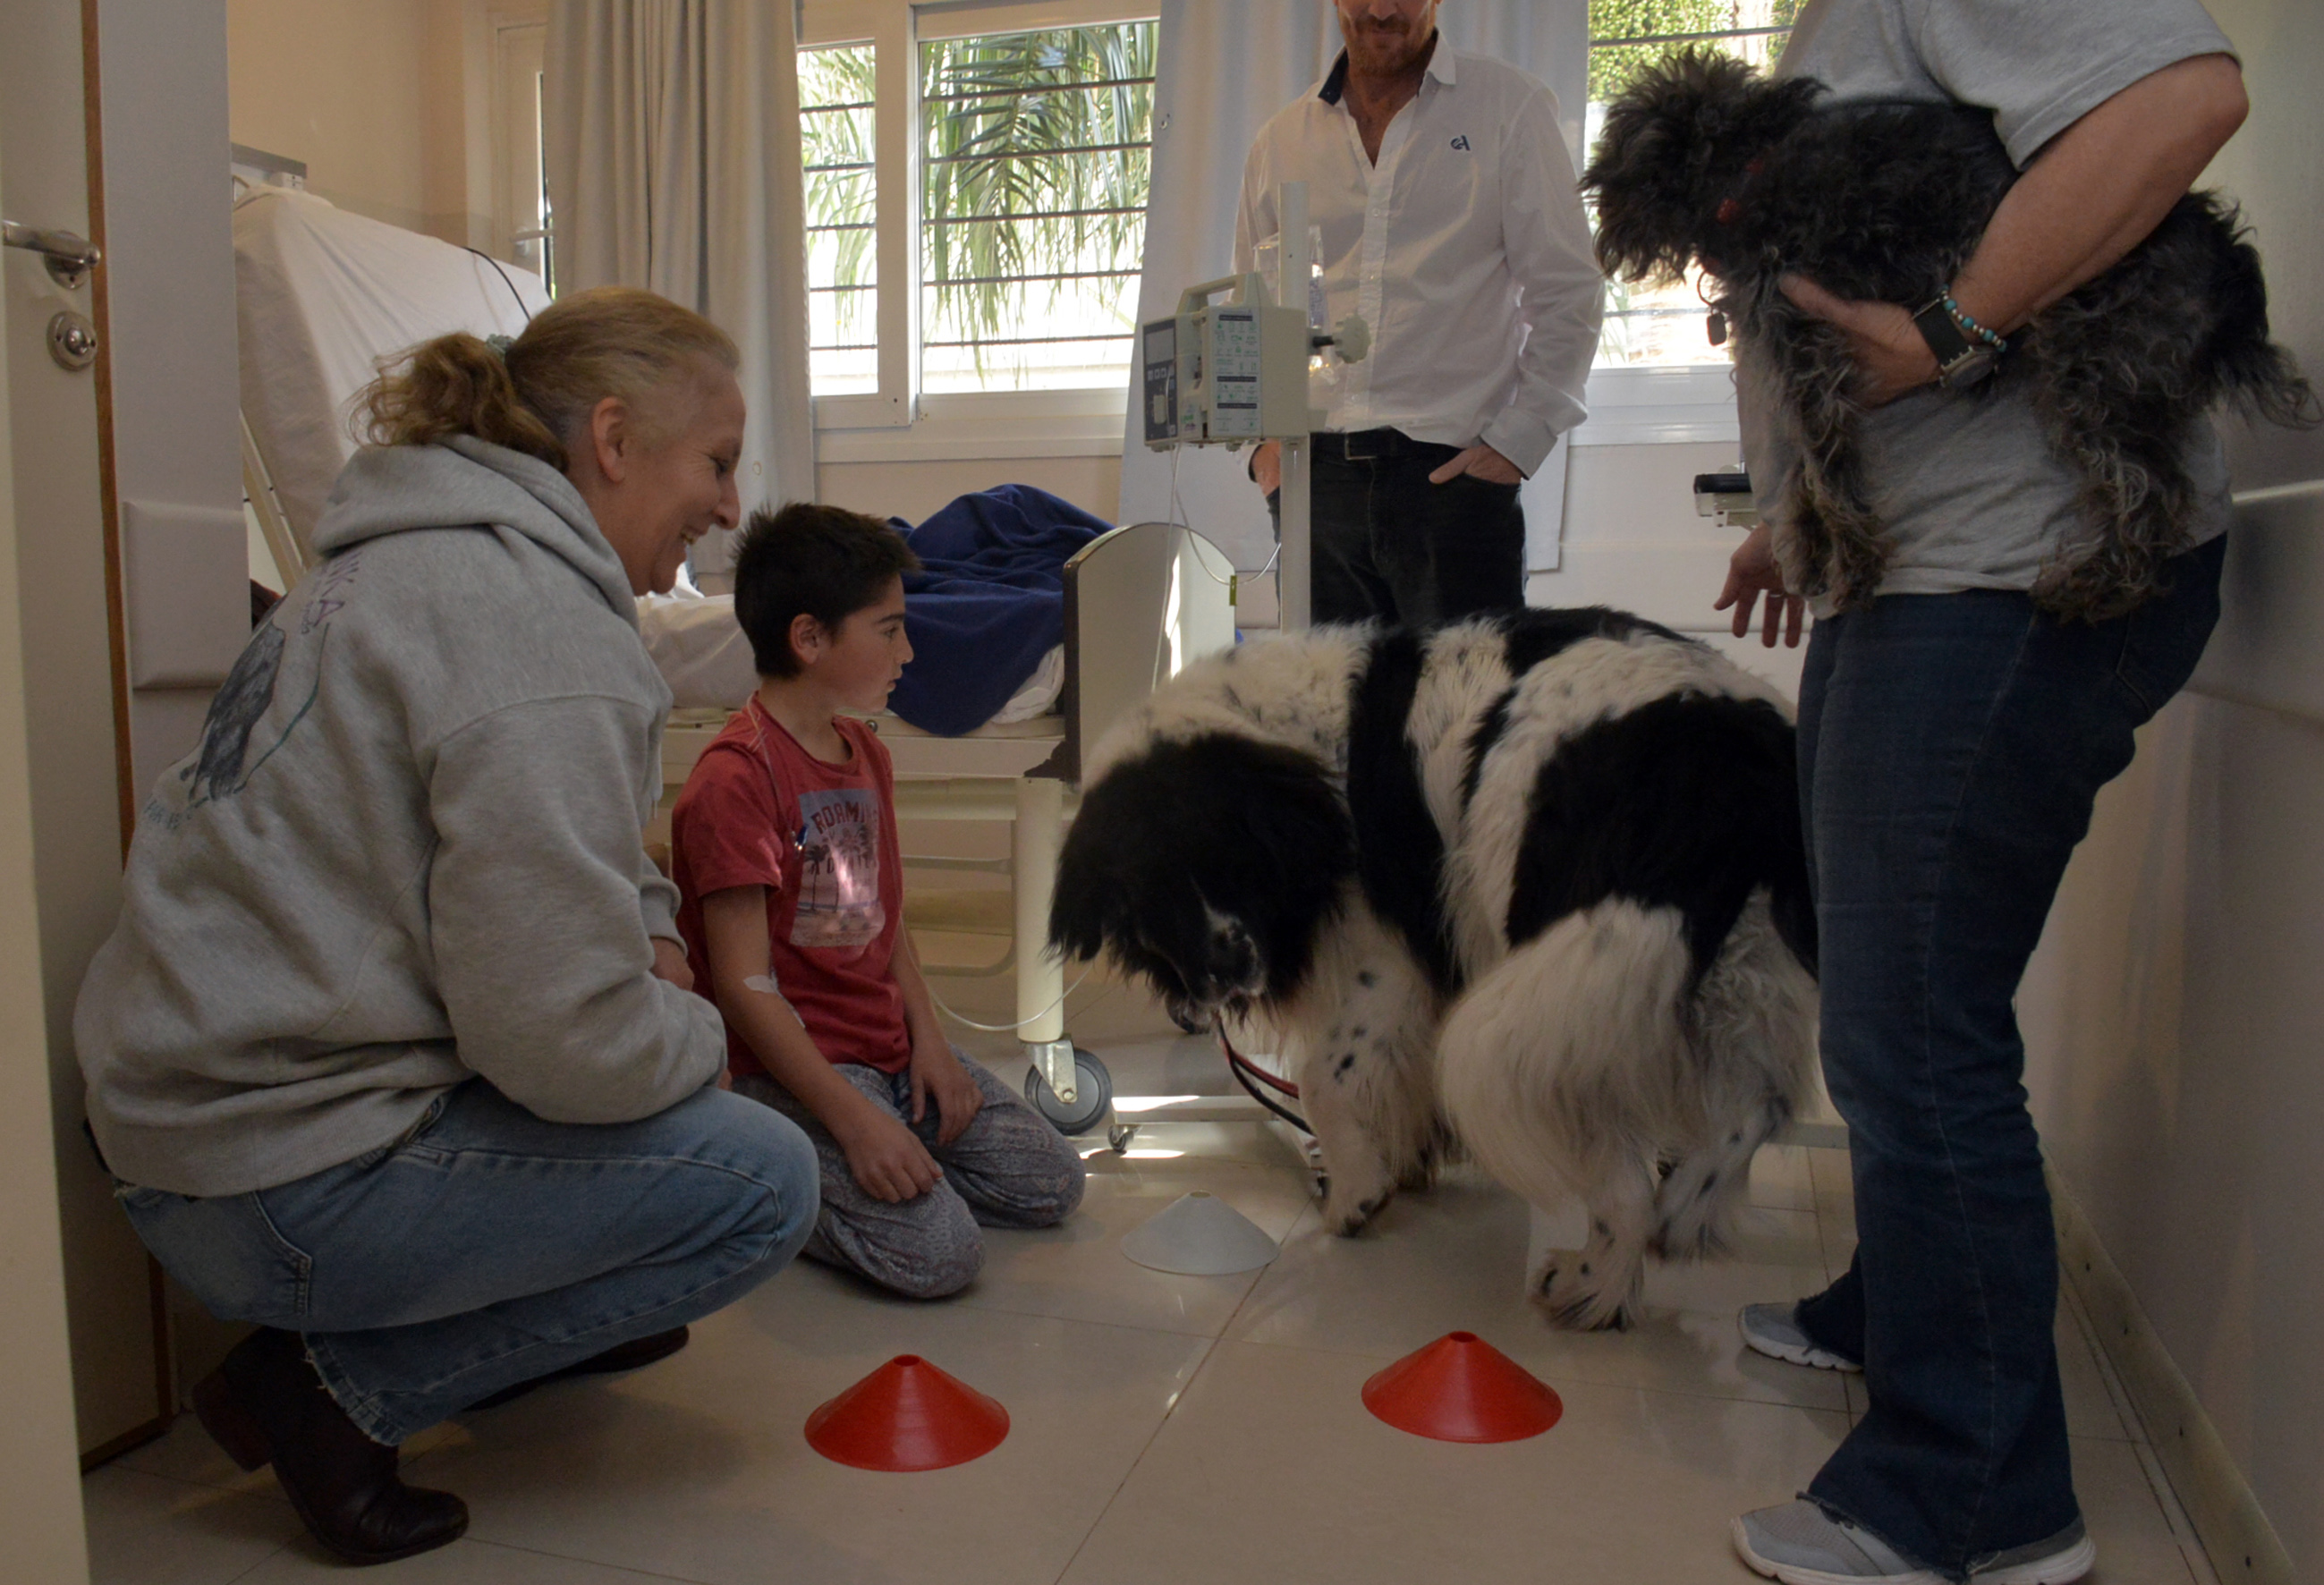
point(535, 396)
point(457, 384)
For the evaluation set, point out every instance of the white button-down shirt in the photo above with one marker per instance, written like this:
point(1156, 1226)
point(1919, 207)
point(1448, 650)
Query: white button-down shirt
point(1464, 248)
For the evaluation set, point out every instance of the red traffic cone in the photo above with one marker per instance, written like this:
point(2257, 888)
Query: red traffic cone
point(908, 1415)
point(1462, 1388)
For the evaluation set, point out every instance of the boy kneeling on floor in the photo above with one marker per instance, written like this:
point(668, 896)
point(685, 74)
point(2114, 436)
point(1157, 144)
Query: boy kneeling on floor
point(785, 849)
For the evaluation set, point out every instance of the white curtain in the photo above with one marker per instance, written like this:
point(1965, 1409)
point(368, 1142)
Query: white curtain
point(1223, 68)
point(672, 143)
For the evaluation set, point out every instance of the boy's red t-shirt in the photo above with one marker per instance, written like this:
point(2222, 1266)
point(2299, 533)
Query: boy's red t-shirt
point(760, 810)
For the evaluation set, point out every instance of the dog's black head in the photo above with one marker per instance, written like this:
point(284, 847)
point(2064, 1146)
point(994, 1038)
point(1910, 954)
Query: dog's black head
point(1677, 147)
point(1207, 867)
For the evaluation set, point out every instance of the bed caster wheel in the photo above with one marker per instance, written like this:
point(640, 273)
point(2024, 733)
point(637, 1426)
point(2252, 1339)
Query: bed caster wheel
point(1092, 1100)
point(1119, 1135)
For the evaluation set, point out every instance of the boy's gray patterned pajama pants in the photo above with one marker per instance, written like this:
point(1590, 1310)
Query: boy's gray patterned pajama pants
point(1009, 1168)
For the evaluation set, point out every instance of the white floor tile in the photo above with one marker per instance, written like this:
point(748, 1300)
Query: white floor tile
point(698, 1467)
point(185, 1453)
point(1272, 1470)
point(1140, 1448)
point(2135, 1543)
point(144, 1530)
point(1077, 1271)
point(1455, 1258)
point(464, 1562)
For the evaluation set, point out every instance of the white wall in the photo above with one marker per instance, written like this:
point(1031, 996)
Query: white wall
point(2175, 1049)
point(913, 490)
point(1633, 540)
point(384, 99)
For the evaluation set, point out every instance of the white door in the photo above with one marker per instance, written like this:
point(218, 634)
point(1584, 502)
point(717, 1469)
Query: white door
point(70, 733)
point(40, 1493)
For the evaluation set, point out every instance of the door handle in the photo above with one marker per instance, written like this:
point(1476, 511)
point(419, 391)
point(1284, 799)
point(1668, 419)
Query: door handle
point(68, 258)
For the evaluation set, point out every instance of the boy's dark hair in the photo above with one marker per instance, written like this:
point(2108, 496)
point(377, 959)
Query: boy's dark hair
point(823, 561)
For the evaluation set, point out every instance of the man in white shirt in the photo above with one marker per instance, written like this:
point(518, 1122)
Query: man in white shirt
point(1445, 199)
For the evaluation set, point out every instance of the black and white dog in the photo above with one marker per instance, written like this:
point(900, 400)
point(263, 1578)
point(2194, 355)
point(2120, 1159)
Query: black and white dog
point(1533, 885)
point(1705, 160)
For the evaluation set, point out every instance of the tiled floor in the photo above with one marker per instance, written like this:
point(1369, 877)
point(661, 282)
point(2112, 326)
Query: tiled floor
point(1162, 1428)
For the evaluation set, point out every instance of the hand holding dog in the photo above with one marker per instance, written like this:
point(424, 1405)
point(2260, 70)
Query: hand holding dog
point(1753, 571)
point(1891, 355)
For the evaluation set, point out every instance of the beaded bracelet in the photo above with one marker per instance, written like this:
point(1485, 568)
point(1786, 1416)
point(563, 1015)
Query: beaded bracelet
point(1961, 318)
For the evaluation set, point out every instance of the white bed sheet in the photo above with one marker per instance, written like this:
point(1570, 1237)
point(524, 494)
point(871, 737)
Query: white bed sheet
point(320, 293)
point(700, 650)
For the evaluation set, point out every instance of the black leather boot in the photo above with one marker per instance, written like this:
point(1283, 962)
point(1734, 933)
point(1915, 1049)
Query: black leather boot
point(266, 1404)
point(638, 1352)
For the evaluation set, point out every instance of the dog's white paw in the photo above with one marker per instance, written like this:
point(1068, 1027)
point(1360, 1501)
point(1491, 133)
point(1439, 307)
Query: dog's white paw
point(1574, 1288)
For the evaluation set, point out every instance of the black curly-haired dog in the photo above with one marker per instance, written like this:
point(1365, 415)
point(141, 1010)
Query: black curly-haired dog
point(1704, 160)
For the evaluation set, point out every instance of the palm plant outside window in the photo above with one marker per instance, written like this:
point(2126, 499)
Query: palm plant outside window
point(843, 213)
point(1036, 156)
point(1666, 326)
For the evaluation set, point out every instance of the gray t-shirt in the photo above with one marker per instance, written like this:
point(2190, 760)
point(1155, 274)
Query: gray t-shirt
point(1970, 493)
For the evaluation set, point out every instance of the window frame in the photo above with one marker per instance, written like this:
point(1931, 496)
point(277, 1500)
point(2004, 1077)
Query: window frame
point(1665, 403)
point(899, 422)
point(518, 40)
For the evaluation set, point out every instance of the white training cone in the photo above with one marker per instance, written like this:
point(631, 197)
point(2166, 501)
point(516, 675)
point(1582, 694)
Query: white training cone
point(1198, 1235)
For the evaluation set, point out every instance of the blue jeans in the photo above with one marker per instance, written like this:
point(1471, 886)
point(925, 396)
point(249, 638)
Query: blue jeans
point(487, 1247)
point(1951, 749)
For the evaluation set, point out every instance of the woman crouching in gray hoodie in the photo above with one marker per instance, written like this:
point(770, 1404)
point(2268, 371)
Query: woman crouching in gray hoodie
point(393, 1050)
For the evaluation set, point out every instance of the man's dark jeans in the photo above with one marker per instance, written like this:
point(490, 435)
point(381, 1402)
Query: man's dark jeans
point(1388, 544)
point(1951, 749)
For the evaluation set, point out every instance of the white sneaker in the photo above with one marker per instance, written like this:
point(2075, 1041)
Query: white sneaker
point(1798, 1544)
point(1774, 1329)
point(2061, 1560)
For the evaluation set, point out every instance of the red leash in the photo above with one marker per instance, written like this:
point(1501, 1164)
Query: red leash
point(1251, 1075)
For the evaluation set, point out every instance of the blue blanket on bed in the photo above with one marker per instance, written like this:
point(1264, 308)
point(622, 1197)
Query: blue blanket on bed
point(988, 603)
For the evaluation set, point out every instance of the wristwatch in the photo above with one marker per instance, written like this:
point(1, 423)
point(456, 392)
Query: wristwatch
point(1959, 361)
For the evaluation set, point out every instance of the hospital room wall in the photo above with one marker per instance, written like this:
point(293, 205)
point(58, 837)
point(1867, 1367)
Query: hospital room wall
point(913, 490)
point(2175, 1049)
point(386, 101)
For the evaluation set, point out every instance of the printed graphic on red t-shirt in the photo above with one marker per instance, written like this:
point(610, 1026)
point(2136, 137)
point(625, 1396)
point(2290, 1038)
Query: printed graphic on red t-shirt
point(839, 870)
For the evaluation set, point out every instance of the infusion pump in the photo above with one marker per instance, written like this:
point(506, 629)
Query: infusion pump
point(1231, 372)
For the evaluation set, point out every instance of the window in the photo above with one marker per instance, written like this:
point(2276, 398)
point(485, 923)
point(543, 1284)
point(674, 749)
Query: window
point(1036, 155)
point(997, 280)
point(1665, 327)
point(519, 194)
point(837, 96)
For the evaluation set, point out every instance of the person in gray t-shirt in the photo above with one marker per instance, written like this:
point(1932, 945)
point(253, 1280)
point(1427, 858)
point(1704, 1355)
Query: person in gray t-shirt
point(1952, 739)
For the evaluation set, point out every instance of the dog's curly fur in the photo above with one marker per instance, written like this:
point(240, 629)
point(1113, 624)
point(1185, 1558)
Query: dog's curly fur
point(1530, 886)
point(1703, 160)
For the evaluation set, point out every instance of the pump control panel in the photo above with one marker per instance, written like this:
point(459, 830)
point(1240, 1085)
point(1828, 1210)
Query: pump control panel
point(1225, 372)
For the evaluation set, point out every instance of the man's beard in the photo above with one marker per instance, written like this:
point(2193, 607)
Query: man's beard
point(1386, 49)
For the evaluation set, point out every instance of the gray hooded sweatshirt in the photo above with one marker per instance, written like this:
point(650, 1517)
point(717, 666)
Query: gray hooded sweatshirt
point(407, 852)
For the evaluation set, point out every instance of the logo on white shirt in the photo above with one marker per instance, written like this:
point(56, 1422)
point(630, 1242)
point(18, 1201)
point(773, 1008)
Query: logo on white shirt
point(1462, 142)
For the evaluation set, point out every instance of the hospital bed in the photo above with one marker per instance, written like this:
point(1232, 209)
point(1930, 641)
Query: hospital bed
point(323, 294)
